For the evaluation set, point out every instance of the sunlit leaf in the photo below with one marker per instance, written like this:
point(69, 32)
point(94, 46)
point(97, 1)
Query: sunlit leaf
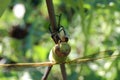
point(40, 53)
point(3, 5)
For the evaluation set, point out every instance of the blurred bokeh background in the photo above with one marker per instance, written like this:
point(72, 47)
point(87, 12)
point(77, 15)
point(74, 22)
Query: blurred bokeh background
point(92, 26)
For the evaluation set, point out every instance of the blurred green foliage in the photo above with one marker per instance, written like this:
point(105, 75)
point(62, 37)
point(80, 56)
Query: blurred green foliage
point(3, 5)
point(92, 25)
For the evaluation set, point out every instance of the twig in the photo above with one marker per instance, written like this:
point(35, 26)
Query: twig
point(76, 61)
point(47, 73)
point(63, 71)
point(54, 29)
point(27, 64)
point(51, 15)
point(83, 60)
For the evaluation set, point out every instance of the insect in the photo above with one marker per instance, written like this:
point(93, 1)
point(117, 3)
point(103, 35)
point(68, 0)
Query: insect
point(60, 34)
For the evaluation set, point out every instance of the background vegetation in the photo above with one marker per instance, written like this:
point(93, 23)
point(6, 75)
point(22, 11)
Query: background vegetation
point(92, 25)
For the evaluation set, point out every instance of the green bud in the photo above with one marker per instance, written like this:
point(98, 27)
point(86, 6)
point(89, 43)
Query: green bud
point(60, 52)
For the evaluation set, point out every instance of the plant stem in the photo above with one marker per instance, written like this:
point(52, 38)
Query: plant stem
point(27, 64)
point(47, 73)
point(63, 71)
point(51, 15)
point(54, 28)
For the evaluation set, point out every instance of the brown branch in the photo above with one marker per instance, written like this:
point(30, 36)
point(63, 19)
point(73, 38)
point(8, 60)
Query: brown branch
point(83, 60)
point(28, 64)
point(51, 15)
point(47, 73)
point(54, 30)
point(63, 71)
point(76, 61)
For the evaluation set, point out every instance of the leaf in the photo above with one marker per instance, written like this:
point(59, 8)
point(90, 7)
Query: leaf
point(3, 5)
point(40, 53)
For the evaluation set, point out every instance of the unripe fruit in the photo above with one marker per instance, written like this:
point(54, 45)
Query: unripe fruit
point(62, 49)
point(60, 52)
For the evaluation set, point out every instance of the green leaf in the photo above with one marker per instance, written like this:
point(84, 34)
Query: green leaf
point(3, 5)
point(40, 53)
